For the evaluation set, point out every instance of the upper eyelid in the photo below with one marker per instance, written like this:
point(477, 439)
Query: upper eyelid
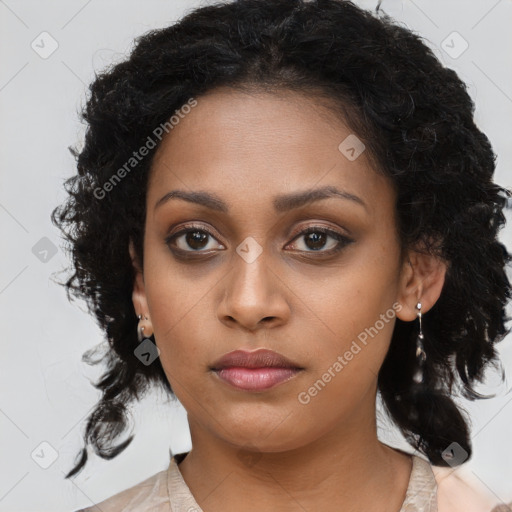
point(188, 228)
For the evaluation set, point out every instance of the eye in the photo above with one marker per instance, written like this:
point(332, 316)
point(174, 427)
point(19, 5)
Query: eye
point(315, 240)
point(192, 239)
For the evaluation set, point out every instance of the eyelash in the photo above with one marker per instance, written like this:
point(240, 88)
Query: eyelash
point(342, 239)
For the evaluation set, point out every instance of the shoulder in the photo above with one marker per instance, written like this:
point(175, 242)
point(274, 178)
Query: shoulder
point(151, 492)
point(459, 491)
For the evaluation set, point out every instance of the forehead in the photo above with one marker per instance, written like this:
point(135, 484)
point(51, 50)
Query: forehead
point(258, 144)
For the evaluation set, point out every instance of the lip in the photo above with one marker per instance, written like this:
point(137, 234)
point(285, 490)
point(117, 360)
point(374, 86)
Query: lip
point(255, 370)
point(260, 358)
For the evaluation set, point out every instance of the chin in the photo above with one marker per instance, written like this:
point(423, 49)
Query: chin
point(265, 435)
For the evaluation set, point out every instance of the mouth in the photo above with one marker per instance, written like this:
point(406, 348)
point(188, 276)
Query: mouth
point(255, 371)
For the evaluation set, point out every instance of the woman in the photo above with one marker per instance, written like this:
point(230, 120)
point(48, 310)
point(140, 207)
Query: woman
point(283, 208)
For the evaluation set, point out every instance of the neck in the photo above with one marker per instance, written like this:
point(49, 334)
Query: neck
point(347, 468)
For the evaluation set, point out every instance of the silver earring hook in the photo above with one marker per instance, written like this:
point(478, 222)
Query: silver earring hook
point(421, 355)
point(418, 307)
point(140, 329)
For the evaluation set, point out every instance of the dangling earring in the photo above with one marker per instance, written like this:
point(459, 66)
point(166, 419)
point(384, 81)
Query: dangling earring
point(421, 356)
point(140, 329)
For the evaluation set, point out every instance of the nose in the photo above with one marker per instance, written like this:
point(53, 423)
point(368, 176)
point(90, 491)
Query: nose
point(254, 296)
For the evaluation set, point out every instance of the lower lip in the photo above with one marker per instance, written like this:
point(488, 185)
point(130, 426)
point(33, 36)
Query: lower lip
point(256, 379)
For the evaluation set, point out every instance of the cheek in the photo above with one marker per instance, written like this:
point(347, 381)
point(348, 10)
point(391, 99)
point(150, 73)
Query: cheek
point(178, 322)
point(356, 309)
point(174, 290)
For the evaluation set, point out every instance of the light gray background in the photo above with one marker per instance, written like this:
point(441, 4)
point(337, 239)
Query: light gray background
point(45, 389)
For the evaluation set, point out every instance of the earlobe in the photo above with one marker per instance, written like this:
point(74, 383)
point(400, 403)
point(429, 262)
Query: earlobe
point(139, 293)
point(422, 280)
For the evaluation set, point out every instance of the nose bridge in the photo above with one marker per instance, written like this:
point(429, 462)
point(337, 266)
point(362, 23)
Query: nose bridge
point(250, 273)
point(252, 294)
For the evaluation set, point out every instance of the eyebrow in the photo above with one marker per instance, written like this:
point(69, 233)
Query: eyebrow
point(281, 203)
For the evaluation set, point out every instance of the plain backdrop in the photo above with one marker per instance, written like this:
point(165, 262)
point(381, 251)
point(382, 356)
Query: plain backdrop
point(49, 52)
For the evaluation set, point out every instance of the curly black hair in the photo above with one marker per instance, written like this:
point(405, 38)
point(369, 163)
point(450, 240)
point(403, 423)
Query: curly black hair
point(414, 116)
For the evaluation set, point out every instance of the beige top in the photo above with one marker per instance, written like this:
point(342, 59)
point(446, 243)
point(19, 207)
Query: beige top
point(430, 489)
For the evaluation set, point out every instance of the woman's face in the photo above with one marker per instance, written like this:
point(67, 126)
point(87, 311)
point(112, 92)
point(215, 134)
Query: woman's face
point(248, 277)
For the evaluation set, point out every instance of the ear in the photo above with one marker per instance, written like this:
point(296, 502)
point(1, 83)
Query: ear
point(421, 280)
point(140, 303)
